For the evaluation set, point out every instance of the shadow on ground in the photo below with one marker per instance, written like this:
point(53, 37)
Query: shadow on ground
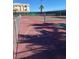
point(54, 41)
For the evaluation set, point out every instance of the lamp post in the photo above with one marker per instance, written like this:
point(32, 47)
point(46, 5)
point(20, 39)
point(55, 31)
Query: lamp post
point(60, 12)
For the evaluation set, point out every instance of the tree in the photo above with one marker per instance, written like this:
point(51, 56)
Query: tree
point(41, 8)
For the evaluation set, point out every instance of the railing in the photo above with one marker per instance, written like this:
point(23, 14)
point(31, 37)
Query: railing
point(16, 21)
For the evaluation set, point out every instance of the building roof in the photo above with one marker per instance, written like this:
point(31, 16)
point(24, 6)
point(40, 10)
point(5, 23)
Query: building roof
point(20, 4)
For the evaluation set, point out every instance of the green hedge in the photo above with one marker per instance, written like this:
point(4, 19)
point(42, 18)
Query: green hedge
point(48, 13)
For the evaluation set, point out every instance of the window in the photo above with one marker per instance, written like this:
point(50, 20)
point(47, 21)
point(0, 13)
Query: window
point(25, 9)
point(25, 6)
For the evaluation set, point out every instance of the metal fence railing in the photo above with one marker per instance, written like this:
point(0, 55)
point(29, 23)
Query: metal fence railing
point(16, 21)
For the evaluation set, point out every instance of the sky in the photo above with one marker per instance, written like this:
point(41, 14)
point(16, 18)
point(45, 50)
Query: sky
point(49, 5)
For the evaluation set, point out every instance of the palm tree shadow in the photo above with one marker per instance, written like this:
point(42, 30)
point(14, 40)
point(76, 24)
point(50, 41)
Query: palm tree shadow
point(49, 54)
point(47, 39)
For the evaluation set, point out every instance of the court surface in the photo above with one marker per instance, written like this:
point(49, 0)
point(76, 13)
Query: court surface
point(41, 40)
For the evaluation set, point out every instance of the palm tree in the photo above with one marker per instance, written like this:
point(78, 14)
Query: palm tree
point(41, 8)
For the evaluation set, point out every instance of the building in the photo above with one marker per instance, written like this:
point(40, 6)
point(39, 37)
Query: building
point(17, 7)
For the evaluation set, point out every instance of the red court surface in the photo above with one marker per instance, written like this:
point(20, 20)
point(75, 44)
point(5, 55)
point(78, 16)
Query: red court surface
point(39, 37)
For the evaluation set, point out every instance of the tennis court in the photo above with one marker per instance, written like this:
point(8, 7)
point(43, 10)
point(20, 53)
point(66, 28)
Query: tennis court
point(39, 35)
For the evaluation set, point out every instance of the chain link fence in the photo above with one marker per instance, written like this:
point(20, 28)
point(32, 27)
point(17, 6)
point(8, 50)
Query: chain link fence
point(16, 22)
